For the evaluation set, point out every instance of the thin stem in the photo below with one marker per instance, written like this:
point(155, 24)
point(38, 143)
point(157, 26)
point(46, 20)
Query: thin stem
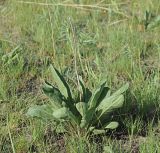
point(91, 6)
point(10, 136)
point(51, 25)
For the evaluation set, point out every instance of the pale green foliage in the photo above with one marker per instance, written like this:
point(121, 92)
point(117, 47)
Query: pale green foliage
point(11, 56)
point(87, 113)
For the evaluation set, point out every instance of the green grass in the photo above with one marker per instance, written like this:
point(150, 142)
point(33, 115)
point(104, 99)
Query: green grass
point(110, 44)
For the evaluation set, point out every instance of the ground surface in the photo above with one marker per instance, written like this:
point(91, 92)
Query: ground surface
point(113, 40)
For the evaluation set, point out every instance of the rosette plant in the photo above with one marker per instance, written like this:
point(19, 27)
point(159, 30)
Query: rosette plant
point(89, 111)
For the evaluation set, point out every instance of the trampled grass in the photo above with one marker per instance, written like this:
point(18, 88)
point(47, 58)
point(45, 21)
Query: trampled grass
point(117, 41)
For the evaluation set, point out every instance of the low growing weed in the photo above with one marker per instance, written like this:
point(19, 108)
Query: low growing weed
point(89, 111)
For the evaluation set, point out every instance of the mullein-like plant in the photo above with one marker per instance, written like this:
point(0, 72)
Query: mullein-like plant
point(91, 111)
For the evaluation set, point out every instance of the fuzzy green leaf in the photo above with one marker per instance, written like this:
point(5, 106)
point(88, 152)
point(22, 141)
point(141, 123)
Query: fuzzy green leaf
point(83, 122)
point(83, 89)
point(61, 83)
point(108, 104)
point(111, 125)
point(64, 113)
point(82, 108)
point(54, 94)
point(61, 113)
point(89, 116)
point(91, 128)
point(113, 101)
point(96, 96)
point(105, 93)
point(121, 90)
point(43, 112)
point(86, 92)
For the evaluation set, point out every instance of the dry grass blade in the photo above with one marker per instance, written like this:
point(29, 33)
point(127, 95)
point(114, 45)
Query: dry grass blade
point(77, 6)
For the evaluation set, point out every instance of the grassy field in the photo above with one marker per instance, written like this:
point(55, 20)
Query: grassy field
point(115, 40)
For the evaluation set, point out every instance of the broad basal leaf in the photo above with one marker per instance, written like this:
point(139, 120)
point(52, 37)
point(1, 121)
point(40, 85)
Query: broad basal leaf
point(105, 93)
point(54, 94)
point(61, 113)
point(43, 112)
point(83, 89)
point(108, 104)
point(111, 125)
point(66, 114)
point(82, 108)
point(89, 116)
point(96, 96)
point(83, 122)
point(86, 93)
point(91, 128)
point(121, 90)
point(109, 99)
point(61, 83)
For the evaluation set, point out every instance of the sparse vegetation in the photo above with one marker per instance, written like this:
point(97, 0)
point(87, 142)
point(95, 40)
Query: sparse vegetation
point(112, 40)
